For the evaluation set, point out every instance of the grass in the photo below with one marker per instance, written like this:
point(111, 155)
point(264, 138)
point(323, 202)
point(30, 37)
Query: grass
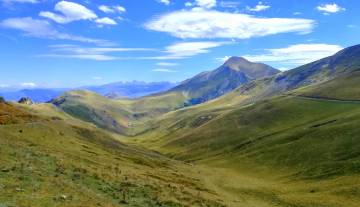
point(253, 147)
point(343, 88)
point(53, 163)
point(122, 116)
point(285, 151)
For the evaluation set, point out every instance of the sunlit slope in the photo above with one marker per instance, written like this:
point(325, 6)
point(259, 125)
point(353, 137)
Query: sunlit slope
point(284, 151)
point(341, 64)
point(90, 107)
point(343, 88)
point(49, 162)
point(313, 130)
point(283, 132)
point(123, 116)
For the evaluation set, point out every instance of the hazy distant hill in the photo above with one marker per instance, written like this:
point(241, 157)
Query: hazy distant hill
point(112, 90)
point(37, 95)
point(132, 89)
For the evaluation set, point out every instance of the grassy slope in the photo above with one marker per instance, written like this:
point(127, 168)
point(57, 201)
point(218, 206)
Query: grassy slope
point(123, 116)
point(274, 153)
point(49, 162)
point(343, 88)
point(287, 150)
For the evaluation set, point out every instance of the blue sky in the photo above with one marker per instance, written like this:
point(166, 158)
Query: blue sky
point(48, 43)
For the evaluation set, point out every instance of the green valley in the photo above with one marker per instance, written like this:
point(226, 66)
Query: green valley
point(243, 135)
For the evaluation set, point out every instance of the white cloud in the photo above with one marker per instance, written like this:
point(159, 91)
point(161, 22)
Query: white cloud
point(89, 53)
point(295, 55)
point(69, 12)
point(207, 4)
point(215, 24)
point(97, 78)
point(28, 85)
point(106, 9)
point(330, 8)
point(166, 64)
point(188, 4)
point(112, 9)
point(120, 9)
point(106, 21)
point(259, 7)
point(164, 70)
point(223, 59)
point(166, 2)
point(186, 49)
point(42, 29)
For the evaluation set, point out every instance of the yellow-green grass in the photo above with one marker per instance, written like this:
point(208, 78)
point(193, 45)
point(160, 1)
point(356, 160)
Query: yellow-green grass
point(47, 162)
point(342, 88)
point(122, 116)
point(285, 151)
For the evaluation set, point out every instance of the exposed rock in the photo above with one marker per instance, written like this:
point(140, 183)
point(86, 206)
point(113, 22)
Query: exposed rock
point(26, 101)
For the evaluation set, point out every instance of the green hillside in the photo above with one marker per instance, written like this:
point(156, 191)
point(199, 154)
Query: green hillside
point(342, 88)
point(287, 140)
point(46, 161)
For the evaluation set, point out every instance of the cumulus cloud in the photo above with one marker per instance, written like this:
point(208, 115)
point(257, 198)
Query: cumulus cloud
point(259, 7)
point(295, 55)
point(106, 21)
point(166, 2)
point(42, 29)
point(69, 12)
point(112, 9)
point(330, 8)
point(216, 24)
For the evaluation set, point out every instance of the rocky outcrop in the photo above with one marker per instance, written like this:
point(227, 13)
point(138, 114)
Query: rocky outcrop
point(26, 101)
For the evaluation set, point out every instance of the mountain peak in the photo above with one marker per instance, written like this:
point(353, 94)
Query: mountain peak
point(234, 60)
point(251, 69)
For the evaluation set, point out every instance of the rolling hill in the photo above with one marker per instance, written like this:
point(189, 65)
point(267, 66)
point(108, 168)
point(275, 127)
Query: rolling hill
point(286, 139)
point(127, 116)
point(50, 159)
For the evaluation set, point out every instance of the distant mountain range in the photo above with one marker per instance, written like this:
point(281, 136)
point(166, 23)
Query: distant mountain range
point(132, 89)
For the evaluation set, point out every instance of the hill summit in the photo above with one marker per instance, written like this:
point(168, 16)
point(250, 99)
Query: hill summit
point(233, 73)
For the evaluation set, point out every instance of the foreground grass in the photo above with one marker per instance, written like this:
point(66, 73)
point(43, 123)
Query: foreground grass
point(46, 162)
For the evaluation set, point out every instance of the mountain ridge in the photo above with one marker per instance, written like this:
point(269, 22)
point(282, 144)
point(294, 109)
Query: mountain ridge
point(230, 75)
